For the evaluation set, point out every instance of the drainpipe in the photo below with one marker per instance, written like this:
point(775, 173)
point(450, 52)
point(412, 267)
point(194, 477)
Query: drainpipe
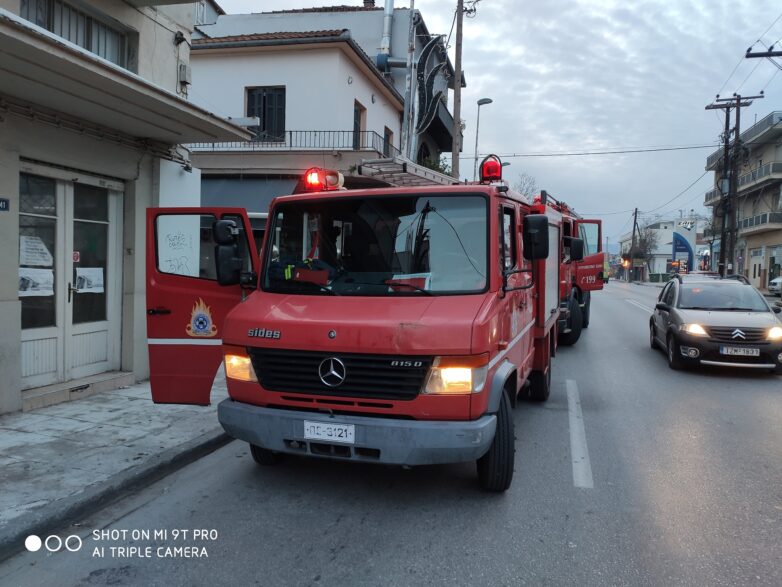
point(388, 19)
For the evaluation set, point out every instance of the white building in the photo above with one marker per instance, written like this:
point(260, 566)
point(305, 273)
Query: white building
point(325, 93)
point(93, 108)
point(676, 240)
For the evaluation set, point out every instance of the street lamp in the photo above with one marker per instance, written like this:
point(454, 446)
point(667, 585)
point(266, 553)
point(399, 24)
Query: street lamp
point(481, 102)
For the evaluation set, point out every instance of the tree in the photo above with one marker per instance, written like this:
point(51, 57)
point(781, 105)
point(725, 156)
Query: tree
point(437, 164)
point(526, 185)
point(646, 244)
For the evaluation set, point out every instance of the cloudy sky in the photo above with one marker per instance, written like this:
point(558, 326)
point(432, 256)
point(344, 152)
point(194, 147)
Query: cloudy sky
point(584, 75)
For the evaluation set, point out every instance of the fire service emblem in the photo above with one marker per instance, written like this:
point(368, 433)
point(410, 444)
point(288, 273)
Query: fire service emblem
point(201, 323)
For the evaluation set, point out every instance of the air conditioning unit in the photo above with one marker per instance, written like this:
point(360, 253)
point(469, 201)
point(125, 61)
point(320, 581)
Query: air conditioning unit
point(185, 74)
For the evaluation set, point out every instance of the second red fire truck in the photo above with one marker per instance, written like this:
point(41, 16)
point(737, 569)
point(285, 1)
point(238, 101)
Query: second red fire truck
point(582, 268)
point(393, 325)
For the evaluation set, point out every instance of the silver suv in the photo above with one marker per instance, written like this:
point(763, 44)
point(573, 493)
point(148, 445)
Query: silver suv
point(718, 322)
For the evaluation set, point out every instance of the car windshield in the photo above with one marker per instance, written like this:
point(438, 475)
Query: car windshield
point(721, 296)
point(378, 246)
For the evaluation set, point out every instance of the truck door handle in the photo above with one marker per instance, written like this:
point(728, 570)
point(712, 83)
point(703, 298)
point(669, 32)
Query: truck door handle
point(158, 310)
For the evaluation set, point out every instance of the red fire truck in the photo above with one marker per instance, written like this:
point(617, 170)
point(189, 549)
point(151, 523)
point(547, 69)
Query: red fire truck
point(393, 325)
point(582, 270)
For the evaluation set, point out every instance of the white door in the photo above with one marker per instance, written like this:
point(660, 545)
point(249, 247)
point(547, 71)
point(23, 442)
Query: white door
point(69, 277)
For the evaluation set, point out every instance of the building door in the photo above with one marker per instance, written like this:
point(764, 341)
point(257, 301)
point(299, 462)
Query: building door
point(359, 123)
point(69, 277)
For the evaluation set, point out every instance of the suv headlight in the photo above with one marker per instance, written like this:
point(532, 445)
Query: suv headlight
point(775, 333)
point(457, 375)
point(695, 329)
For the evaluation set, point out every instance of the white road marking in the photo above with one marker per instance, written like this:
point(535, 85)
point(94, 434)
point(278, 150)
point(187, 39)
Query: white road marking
point(638, 304)
point(579, 453)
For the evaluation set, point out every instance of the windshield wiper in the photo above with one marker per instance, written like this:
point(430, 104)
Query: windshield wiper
point(740, 310)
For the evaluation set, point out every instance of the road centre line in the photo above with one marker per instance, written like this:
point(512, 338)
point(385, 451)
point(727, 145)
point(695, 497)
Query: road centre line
point(579, 453)
point(638, 304)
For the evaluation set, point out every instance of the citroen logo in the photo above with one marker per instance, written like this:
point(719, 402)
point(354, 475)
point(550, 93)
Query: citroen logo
point(332, 372)
point(738, 334)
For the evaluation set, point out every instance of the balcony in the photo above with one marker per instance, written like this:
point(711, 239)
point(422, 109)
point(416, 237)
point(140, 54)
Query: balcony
point(765, 222)
point(712, 197)
point(769, 128)
point(767, 172)
point(305, 140)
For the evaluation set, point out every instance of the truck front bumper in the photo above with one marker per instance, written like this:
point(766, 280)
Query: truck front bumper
point(377, 440)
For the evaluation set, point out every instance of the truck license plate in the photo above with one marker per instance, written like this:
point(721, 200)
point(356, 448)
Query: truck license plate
point(330, 432)
point(739, 351)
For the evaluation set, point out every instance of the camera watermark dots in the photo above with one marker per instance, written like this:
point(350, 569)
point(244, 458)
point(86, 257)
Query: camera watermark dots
point(53, 543)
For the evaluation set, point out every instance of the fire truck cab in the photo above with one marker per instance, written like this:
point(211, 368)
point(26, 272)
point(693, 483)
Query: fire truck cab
point(393, 325)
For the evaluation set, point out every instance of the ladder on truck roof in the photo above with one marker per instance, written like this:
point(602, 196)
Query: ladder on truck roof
point(397, 171)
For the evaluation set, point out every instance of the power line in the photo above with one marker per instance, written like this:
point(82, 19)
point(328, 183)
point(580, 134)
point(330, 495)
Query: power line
point(606, 152)
point(684, 191)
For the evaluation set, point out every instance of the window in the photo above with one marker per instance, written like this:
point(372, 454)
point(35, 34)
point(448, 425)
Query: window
point(508, 242)
point(268, 104)
point(186, 245)
point(79, 28)
point(670, 295)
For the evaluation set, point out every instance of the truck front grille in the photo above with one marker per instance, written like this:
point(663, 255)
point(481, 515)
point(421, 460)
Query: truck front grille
point(365, 376)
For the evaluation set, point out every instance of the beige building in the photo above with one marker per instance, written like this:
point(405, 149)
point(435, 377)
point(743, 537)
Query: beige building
point(93, 110)
point(758, 252)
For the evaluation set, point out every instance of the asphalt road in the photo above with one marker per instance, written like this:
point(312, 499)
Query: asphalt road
point(668, 478)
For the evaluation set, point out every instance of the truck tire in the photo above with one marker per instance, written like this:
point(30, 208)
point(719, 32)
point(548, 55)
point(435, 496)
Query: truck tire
point(575, 323)
point(540, 385)
point(587, 309)
point(264, 456)
point(495, 468)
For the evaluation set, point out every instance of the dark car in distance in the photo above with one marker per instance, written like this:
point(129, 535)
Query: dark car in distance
point(707, 320)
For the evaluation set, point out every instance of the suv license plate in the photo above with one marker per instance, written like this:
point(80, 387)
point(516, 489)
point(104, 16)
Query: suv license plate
point(739, 351)
point(330, 432)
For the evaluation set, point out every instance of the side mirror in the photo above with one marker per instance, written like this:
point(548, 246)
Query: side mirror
point(576, 249)
point(228, 264)
point(662, 306)
point(777, 309)
point(535, 237)
point(224, 231)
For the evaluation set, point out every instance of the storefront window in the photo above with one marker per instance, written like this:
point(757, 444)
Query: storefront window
point(37, 250)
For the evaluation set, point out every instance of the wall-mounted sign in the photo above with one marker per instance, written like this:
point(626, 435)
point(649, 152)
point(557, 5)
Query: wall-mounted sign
point(5, 205)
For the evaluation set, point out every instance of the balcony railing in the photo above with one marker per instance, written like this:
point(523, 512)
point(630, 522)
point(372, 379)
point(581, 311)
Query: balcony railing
point(752, 133)
point(759, 173)
point(308, 140)
point(759, 220)
point(711, 197)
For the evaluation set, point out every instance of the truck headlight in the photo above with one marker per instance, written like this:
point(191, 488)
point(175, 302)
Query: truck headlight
point(457, 375)
point(238, 364)
point(775, 333)
point(695, 329)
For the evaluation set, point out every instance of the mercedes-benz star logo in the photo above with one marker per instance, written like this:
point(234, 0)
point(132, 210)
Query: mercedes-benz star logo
point(332, 372)
point(739, 334)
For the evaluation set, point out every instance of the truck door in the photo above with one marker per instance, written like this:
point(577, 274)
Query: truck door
point(185, 305)
point(589, 271)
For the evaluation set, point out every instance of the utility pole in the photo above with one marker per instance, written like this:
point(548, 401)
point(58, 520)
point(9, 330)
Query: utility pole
point(728, 186)
point(632, 245)
point(457, 94)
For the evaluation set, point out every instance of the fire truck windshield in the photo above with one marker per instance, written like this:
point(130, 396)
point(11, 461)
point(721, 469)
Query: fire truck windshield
point(378, 246)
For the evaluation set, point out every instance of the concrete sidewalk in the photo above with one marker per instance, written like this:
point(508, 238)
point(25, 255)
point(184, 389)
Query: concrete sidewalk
point(59, 462)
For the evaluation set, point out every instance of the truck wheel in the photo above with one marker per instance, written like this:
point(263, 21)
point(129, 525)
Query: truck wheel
point(575, 323)
point(587, 308)
point(675, 360)
point(540, 385)
point(495, 468)
point(264, 456)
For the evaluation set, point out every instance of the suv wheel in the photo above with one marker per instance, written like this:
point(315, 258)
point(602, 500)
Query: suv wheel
point(675, 360)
